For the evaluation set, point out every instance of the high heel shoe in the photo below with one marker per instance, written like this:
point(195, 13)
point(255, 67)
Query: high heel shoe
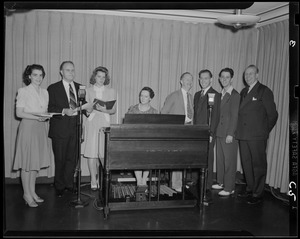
point(30, 203)
point(95, 186)
point(38, 199)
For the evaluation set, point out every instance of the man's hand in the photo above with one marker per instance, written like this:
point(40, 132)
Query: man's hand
point(229, 139)
point(69, 112)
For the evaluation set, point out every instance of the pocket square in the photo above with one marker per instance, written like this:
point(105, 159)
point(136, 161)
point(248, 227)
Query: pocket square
point(253, 99)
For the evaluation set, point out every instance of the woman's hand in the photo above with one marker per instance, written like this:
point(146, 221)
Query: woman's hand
point(100, 108)
point(43, 118)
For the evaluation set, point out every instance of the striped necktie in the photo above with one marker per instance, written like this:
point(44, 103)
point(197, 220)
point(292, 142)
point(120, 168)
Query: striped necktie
point(202, 93)
point(189, 107)
point(72, 98)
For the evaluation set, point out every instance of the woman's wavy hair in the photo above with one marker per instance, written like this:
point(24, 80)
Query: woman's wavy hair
point(102, 69)
point(28, 72)
point(151, 92)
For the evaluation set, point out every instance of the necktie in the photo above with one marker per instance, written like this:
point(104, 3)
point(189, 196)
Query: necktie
point(247, 91)
point(202, 93)
point(189, 107)
point(72, 98)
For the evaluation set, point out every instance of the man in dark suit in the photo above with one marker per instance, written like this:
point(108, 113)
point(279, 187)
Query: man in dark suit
point(180, 102)
point(226, 142)
point(201, 116)
point(257, 117)
point(63, 128)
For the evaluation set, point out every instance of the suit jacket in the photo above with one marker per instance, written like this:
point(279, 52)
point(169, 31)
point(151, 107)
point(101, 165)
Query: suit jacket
point(174, 103)
point(257, 113)
point(201, 110)
point(229, 109)
point(61, 126)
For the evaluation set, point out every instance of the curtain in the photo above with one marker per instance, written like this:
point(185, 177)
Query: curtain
point(137, 51)
point(273, 62)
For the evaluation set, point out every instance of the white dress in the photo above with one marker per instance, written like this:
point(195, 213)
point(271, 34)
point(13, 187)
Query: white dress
point(93, 144)
point(33, 147)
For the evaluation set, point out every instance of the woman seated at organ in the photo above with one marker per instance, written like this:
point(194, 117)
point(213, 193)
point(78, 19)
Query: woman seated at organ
point(143, 107)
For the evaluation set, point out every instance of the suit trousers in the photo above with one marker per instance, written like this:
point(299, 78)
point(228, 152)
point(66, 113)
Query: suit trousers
point(226, 163)
point(254, 162)
point(65, 156)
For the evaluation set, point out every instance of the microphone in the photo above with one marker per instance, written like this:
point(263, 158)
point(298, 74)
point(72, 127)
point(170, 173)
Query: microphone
point(81, 93)
point(211, 99)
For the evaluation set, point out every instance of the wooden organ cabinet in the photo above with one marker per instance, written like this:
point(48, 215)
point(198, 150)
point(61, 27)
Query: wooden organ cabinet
point(159, 148)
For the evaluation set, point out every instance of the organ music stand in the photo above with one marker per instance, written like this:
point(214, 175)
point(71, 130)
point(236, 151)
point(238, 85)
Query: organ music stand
point(78, 203)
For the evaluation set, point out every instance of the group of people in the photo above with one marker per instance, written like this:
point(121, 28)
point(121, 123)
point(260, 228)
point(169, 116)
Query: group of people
point(243, 120)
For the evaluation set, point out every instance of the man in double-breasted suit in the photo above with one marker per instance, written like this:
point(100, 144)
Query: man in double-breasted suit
point(63, 128)
point(257, 117)
point(227, 145)
point(180, 102)
point(201, 116)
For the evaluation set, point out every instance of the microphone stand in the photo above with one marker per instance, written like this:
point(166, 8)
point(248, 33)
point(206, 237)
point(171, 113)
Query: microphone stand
point(210, 105)
point(78, 203)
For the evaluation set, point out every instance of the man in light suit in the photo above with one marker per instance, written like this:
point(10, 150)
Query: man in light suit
point(257, 117)
point(227, 144)
point(63, 128)
point(180, 102)
point(201, 116)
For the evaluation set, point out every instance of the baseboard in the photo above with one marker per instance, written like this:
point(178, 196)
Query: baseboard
point(42, 180)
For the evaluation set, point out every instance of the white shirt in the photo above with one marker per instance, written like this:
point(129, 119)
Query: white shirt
point(229, 91)
point(67, 89)
point(184, 92)
point(32, 101)
point(205, 90)
point(251, 86)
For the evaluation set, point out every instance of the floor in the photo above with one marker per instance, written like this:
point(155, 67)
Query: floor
point(224, 217)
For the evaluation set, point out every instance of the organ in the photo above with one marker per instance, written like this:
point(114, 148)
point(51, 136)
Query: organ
point(159, 148)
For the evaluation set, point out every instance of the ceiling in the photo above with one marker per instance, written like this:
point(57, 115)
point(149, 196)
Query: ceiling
point(268, 11)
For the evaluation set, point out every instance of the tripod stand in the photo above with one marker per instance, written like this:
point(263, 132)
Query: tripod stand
point(78, 203)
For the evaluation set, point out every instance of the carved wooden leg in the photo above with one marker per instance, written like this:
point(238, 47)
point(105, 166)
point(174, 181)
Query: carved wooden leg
point(202, 187)
point(106, 191)
point(205, 176)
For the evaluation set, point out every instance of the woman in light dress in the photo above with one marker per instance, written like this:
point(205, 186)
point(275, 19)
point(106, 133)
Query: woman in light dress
point(98, 117)
point(143, 107)
point(33, 148)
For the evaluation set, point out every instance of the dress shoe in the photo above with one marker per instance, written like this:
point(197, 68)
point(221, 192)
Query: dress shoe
point(224, 193)
point(245, 194)
point(38, 199)
point(29, 201)
point(254, 200)
point(95, 186)
point(207, 198)
point(217, 186)
point(59, 193)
